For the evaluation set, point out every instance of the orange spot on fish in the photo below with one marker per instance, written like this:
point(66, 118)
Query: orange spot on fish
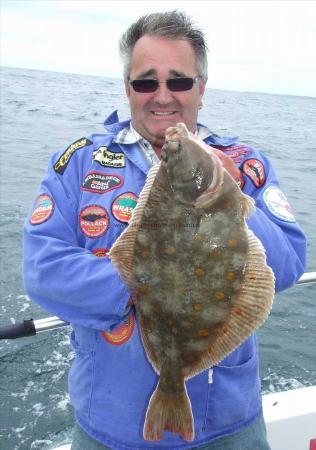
point(238, 312)
point(225, 329)
point(219, 295)
point(170, 250)
point(232, 243)
point(230, 276)
point(199, 272)
point(197, 307)
point(203, 333)
point(228, 205)
point(143, 289)
point(144, 254)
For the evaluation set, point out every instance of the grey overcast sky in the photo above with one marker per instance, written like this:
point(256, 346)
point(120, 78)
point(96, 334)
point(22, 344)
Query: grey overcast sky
point(263, 46)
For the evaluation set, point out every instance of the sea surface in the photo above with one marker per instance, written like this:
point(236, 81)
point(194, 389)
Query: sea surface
point(42, 112)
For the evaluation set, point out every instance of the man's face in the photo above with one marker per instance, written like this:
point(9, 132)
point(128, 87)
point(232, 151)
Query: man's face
point(152, 113)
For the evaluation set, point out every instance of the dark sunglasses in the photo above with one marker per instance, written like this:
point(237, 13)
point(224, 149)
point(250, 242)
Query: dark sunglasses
point(173, 84)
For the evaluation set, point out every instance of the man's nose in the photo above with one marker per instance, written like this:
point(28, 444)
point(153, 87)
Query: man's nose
point(162, 94)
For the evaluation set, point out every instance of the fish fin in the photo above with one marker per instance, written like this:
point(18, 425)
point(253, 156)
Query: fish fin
point(169, 412)
point(247, 205)
point(122, 251)
point(249, 310)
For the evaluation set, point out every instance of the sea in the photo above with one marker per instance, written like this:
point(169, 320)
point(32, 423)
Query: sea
point(42, 112)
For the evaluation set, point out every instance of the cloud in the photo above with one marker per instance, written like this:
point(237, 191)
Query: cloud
point(256, 44)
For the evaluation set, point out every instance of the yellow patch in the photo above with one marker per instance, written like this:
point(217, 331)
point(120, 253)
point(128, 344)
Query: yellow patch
point(170, 250)
point(199, 272)
point(143, 289)
point(232, 243)
point(144, 254)
point(219, 295)
point(203, 333)
point(230, 276)
point(197, 307)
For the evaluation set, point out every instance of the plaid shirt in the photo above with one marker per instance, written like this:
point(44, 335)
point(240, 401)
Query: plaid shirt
point(130, 136)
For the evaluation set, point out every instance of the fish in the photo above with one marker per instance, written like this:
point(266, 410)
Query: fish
point(197, 274)
point(93, 217)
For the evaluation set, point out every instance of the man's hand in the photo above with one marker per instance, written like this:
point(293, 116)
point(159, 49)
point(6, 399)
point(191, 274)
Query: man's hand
point(228, 164)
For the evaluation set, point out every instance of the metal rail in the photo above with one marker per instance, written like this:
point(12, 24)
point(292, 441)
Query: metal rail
point(31, 327)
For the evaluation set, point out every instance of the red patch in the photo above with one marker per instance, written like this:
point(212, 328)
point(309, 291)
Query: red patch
point(122, 333)
point(254, 169)
point(99, 182)
point(94, 221)
point(123, 205)
point(43, 209)
point(100, 252)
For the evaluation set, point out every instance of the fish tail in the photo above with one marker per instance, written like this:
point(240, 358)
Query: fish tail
point(169, 412)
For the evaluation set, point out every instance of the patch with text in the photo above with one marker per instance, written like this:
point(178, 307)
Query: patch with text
point(99, 183)
point(109, 159)
point(43, 209)
point(123, 205)
point(93, 221)
point(64, 159)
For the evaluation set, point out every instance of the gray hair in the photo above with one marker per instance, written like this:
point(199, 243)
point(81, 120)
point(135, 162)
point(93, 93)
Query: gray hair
point(168, 25)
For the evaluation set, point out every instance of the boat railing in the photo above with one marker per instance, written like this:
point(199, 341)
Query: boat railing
point(30, 327)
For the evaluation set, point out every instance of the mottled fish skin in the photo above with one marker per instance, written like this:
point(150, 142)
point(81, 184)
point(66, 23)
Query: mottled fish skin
point(188, 271)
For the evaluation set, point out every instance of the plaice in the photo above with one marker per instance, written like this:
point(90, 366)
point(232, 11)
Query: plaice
point(197, 273)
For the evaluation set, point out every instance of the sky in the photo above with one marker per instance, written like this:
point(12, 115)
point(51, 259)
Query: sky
point(254, 45)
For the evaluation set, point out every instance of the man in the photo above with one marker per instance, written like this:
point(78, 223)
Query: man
point(83, 205)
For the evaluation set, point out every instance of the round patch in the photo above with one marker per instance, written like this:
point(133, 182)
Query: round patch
point(278, 204)
point(94, 221)
point(255, 171)
point(99, 183)
point(122, 333)
point(43, 209)
point(100, 252)
point(123, 205)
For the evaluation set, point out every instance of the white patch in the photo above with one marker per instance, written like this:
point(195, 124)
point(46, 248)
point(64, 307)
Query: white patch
point(210, 376)
point(278, 204)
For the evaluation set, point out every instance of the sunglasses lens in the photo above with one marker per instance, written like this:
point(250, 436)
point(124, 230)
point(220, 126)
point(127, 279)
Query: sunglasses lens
point(144, 85)
point(180, 84)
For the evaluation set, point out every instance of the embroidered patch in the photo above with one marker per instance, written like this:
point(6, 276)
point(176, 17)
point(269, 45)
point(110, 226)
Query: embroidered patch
point(43, 209)
point(100, 183)
point(255, 171)
point(100, 252)
point(122, 333)
point(278, 204)
point(94, 221)
point(64, 159)
point(123, 205)
point(109, 159)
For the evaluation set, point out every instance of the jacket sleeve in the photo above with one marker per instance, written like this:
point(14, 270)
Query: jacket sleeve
point(59, 274)
point(274, 224)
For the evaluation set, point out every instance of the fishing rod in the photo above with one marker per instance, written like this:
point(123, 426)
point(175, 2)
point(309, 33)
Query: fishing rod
point(32, 327)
